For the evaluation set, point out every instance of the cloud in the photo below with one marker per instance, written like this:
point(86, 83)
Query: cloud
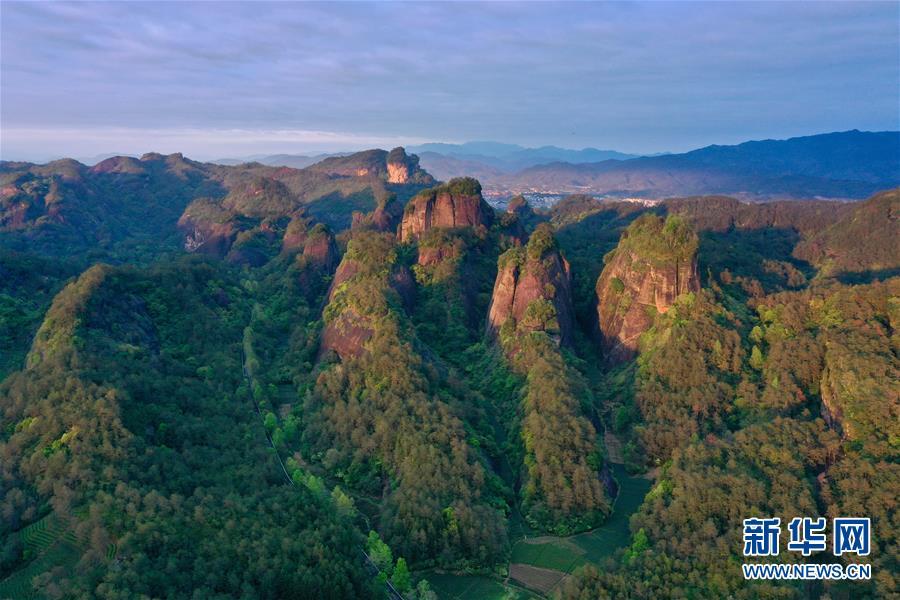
point(35, 143)
point(635, 76)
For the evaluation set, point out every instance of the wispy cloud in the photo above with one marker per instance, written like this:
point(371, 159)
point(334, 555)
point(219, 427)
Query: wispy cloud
point(47, 143)
point(634, 76)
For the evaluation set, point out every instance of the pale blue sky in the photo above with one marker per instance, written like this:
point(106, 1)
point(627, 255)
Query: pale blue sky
point(229, 79)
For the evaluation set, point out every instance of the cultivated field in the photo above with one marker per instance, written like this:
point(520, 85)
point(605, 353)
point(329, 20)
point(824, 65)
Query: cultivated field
point(51, 543)
point(538, 560)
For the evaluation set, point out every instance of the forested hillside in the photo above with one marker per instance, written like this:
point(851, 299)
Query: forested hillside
point(130, 425)
point(351, 381)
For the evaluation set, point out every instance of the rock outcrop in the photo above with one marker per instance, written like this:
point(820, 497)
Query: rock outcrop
point(517, 221)
point(296, 232)
point(533, 290)
point(401, 166)
point(457, 203)
point(207, 228)
point(320, 249)
point(518, 205)
point(394, 167)
point(654, 262)
point(367, 282)
point(248, 225)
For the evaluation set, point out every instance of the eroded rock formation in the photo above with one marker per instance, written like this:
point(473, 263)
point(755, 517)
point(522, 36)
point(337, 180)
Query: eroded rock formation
point(457, 203)
point(394, 167)
point(533, 290)
point(654, 262)
point(320, 249)
point(361, 292)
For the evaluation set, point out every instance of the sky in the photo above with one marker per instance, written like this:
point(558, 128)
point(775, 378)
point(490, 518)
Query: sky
point(216, 80)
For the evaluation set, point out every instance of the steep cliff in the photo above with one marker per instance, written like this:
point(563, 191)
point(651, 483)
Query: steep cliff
point(208, 228)
point(518, 205)
point(258, 217)
point(654, 262)
point(533, 291)
point(296, 231)
point(457, 203)
point(319, 248)
point(395, 167)
point(367, 283)
point(531, 314)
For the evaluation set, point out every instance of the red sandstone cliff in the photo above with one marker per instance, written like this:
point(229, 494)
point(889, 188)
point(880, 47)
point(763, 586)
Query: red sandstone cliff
point(531, 280)
point(654, 262)
point(360, 292)
point(457, 203)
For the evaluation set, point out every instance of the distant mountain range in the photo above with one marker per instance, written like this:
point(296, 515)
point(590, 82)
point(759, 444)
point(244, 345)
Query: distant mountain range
point(511, 157)
point(489, 157)
point(850, 164)
point(295, 161)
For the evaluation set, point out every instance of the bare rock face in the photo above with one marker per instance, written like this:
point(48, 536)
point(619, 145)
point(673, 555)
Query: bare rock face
point(205, 233)
point(401, 167)
point(457, 203)
point(533, 290)
point(295, 233)
point(359, 296)
point(394, 167)
point(432, 255)
point(519, 206)
point(654, 263)
point(320, 249)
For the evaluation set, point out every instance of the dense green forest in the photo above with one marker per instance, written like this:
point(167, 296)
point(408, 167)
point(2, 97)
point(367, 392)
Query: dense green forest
point(221, 382)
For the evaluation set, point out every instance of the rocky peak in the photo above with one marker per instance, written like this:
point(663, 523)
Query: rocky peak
point(533, 290)
point(367, 276)
point(394, 167)
point(296, 231)
point(400, 165)
point(654, 262)
point(319, 248)
point(457, 203)
point(518, 205)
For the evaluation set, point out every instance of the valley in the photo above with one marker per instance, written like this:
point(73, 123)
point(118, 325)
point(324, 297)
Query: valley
point(351, 379)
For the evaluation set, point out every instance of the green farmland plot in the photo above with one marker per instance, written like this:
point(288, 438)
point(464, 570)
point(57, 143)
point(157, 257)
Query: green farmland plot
point(567, 554)
point(559, 554)
point(474, 587)
point(51, 543)
point(614, 533)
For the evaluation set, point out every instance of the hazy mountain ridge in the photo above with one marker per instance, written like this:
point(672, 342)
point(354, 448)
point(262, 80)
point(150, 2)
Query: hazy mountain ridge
point(64, 205)
point(851, 164)
point(844, 165)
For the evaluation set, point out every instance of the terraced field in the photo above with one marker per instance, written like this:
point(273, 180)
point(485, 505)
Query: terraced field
point(52, 543)
point(474, 587)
